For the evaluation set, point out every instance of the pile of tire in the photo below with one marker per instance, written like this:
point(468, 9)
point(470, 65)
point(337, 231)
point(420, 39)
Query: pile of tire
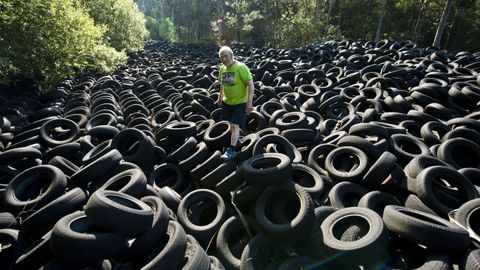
point(358, 155)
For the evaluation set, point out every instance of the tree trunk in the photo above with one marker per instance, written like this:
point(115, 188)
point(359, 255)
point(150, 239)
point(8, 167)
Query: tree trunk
point(160, 5)
point(237, 27)
point(418, 24)
point(452, 31)
point(275, 25)
point(317, 11)
point(329, 15)
point(441, 25)
point(380, 21)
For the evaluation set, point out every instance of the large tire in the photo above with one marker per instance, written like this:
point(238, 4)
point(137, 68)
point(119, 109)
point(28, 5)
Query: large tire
point(75, 239)
point(167, 255)
point(262, 253)
point(43, 220)
point(118, 212)
point(366, 245)
point(425, 229)
point(267, 169)
point(340, 169)
point(201, 224)
point(34, 188)
point(285, 211)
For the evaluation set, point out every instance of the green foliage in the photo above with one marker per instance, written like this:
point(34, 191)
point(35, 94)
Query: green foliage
point(153, 27)
point(104, 58)
point(167, 30)
point(299, 30)
point(49, 40)
point(124, 22)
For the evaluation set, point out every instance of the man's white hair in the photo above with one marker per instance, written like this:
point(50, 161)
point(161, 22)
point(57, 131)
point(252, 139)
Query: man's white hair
point(225, 49)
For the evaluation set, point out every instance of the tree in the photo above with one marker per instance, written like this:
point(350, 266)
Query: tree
point(124, 22)
point(48, 40)
point(418, 24)
point(380, 21)
point(441, 25)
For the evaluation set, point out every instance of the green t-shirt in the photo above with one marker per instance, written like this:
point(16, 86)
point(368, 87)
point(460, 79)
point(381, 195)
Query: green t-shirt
point(234, 81)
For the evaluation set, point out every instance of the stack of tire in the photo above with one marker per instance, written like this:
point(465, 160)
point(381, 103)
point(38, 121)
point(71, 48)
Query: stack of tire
point(358, 155)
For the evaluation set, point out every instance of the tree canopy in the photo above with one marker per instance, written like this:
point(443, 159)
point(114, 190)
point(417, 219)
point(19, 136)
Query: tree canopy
point(50, 40)
point(293, 23)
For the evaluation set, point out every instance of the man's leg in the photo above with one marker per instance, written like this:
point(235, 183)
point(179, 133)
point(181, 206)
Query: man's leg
point(235, 134)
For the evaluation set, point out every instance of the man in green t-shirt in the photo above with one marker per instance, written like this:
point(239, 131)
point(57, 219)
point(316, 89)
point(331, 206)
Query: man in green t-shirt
point(236, 95)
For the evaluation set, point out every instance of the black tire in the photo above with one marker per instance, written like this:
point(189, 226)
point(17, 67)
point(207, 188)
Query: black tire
point(340, 167)
point(420, 163)
point(471, 260)
point(230, 183)
point(285, 222)
point(98, 170)
point(96, 152)
point(232, 232)
point(467, 216)
point(14, 244)
point(135, 147)
point(407, 147)
point(207, 166)
point(214, 177)
point(67, 167)
point(170, 197)
point(195, 257)
point(245, 149)
point(317, 156)
point(380, 170)
point(443, 197)
point(12, 156)
point(168, 175)
point(413, 202)
point(425, 229)
point(200, 154)
point(182, 152)
point(308, 179)
point(36, 255)
point(377, 201)
point(460, 153)
point(34, 188)
point(315, 246)
point(8, 221)
point(75, 239)
point(368, 244)
point(167, 254)
point(217, 136)
point(291, 120)
point(473, 175)
point(118, 212)
point(297, 263)
point(262, 253)
point(146, 241)
point(43, 220)
point(72, 151)
point(363, 144)
point(215, 264)
point(255, 122)
point(131, 181)
point(346, 194)
point(48, 136)
point(267, 169)
point(430, 130)
point(285, 147)
point(208, 224)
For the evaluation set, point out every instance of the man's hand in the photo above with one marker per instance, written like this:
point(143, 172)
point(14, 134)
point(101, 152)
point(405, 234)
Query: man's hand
point(249, 107)
point(219, 102)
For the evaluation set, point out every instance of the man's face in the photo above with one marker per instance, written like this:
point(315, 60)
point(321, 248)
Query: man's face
point(226, 58)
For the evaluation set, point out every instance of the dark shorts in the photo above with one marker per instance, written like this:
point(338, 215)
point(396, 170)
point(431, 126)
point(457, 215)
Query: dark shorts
point(234, 113)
